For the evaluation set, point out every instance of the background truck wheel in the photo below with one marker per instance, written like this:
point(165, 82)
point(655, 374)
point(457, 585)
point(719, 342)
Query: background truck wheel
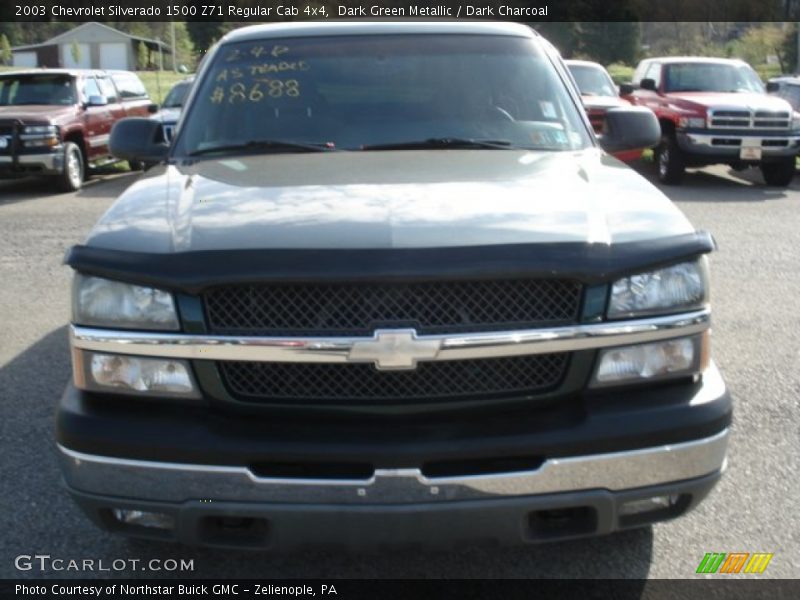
point(669, 161)
point(71, 178)
point(780, 173)
point(137, 165)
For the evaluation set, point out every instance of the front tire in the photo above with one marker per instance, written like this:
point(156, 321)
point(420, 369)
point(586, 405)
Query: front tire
point(778, 174)
point(669, 161)
point(71, 178)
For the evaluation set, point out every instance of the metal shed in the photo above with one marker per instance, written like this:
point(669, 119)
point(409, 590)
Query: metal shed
point(99, 47)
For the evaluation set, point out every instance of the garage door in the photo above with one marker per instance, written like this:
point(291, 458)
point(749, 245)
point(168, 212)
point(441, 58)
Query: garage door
point(25, 59)
point(114, 56)
point(84, 57)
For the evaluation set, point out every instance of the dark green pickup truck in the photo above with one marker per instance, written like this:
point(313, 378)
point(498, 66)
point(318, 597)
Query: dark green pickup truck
point(386, 286)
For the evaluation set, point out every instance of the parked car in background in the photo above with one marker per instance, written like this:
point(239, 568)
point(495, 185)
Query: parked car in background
point(170, 110)
point(392, 290)
point(56, 123)
point(715, 110)
point(786, 87)
point(599, 93)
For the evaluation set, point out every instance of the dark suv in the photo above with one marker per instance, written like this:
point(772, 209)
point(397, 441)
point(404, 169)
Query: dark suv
point(387, 286)
point(56, 123)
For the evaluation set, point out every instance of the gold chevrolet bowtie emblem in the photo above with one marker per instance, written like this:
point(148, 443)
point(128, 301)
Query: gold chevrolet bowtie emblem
point(394, 349)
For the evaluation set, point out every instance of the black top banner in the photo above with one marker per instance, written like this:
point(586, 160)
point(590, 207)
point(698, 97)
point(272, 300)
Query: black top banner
point(529, 11)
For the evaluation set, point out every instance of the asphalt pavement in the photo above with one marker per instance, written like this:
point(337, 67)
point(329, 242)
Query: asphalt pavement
point(756, 343)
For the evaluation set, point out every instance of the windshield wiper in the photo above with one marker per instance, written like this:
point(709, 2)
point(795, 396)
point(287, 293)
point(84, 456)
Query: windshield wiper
point(266, 145)
point(443, 143)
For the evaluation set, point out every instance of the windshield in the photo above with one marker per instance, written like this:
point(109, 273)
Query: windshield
point(711, 77)
point(593, 81)
point(37, 89)
point(176, 95)
point(792, 94)
point(356, 92)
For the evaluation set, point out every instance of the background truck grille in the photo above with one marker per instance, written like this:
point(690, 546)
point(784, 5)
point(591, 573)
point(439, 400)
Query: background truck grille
point(745, 119)
point(349, 383)
point(360, 308)
point(6, 131)
point(168, 130)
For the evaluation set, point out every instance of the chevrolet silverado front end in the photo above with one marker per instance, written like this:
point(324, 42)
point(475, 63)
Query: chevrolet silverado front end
point(352, 313)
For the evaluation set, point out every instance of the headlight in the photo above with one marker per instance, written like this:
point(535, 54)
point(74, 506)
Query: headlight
point(682, 286)
point(105, 303)
point(692, 122)
point(133, 374)
point(658, 360)
point(40, 130)
point(40, 135)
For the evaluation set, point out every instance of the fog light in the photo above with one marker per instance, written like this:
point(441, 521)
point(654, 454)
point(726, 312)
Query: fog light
point(49, 142)
point(649, 361)
point(644, 505)
point(140, 374)
point(143, 518)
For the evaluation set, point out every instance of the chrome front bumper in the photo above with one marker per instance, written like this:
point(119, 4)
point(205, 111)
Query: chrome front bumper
point(49, 163)
point(177, 483)
point(723, 143)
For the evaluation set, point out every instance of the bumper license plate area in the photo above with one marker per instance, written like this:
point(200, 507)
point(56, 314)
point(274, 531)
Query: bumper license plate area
point(750, 149)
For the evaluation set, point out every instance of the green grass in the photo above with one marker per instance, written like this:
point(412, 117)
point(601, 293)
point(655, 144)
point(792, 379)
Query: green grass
point(158, 83)
point(620, 73)
point(767, 72)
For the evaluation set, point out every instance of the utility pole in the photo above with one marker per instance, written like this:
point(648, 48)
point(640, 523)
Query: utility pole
point(160, 68)
point(174, 57)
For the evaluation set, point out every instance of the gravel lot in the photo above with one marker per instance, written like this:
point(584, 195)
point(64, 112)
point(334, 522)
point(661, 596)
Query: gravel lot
point(756, 286)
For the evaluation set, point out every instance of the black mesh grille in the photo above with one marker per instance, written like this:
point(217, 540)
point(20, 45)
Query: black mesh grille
point(360, 308)
point(326, 383)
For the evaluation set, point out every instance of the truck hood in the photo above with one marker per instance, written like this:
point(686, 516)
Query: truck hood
point(603, 102)
point(167, 115)
point(37, 112)
point(740, 101)
point(388, 199)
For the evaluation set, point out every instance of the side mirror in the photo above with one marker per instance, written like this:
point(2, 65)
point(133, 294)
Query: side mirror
point(773, 86)
point(648, 84)
point(138, 139)
point(625, 89)
point(630, 128)
point(152, 109)
point(96, 101)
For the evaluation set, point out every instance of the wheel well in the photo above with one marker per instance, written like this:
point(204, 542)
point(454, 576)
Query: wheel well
point(667, 126)
point(77, 139)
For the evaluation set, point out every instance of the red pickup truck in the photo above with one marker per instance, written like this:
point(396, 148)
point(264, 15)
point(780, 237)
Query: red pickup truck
point(716, 111)
point(56, 123)
point(599, 94)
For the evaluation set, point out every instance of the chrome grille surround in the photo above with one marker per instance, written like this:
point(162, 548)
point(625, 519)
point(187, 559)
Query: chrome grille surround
point(727, 118)
point(543, 353)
